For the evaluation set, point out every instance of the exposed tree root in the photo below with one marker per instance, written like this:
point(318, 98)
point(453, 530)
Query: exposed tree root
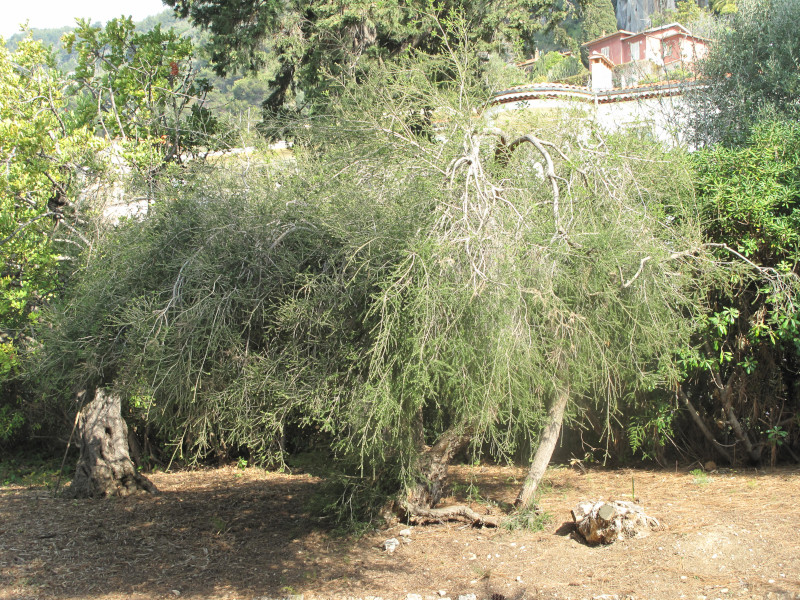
point(421, 515)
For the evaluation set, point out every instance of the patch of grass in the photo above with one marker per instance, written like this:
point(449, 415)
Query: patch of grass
point(218, 525)
point(469, 490)
point(529, 520)
point(700, 477)
point(29, 470)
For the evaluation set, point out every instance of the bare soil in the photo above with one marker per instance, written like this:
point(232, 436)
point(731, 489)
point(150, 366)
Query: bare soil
point(233, 534)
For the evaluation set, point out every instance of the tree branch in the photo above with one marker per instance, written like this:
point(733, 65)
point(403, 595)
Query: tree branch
point(701, 425)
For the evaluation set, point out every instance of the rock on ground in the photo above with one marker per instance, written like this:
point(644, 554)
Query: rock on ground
point(604, 522)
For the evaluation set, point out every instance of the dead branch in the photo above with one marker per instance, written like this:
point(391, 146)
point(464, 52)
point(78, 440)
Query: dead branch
point(421, 515)
point(630, 281)
point(550, 172)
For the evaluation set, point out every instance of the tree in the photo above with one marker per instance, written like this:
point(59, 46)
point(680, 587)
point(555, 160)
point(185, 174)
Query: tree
point(751, 72)
point(746, 364)
point(747, 184)
point(140, 86)
point(42, 226)
point(687, 13)
point(724, 7)
point(598, 19)
point(314, 42)
point(403, 293)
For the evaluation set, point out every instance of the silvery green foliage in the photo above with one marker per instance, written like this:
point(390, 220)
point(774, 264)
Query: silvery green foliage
point(406, 274)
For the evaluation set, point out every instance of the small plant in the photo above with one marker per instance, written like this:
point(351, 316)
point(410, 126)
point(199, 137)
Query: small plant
point(700, 477)
point(775, 436)
point(529, 520)
point(241, 464)
point(218, 524)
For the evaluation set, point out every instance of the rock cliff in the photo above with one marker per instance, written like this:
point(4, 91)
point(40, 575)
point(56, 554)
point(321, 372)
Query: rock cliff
point(634, 15)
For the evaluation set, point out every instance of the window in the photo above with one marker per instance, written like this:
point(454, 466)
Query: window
point(606, 52)
point(635, 53)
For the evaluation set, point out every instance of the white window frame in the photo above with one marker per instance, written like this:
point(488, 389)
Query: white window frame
point(636, 51)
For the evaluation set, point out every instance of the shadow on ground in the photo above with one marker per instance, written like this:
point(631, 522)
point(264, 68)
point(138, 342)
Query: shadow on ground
point(243, 536)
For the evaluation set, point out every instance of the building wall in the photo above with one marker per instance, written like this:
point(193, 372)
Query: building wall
point(663, 118)
point(614, 46)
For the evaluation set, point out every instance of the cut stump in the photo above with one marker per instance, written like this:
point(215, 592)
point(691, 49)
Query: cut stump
point(605, 522)
point(104, 466)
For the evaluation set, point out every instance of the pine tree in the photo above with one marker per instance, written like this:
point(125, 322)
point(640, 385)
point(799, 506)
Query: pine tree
point(598, 19)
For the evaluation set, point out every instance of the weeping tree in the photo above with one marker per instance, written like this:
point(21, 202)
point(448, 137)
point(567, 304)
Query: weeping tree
point(554, 273)
point(406, 288)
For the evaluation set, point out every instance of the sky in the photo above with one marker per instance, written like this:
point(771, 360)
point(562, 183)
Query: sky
point(47, 14)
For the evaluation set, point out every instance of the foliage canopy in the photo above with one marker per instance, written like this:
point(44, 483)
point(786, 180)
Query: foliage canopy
point(314, 41)
point(752, 72)
point(394, 284)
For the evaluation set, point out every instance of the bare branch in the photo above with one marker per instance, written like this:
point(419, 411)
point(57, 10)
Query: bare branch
point(550, 172)
point(628, 283)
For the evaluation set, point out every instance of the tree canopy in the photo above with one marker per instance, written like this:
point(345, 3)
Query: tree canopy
point(752, 72)
point(401, 291)
point(314, 41)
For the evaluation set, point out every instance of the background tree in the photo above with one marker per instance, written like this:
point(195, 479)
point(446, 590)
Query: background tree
point(315, 41)
point(598, 19)
point(140, 86)
point(42, 225)
point(723, 7)
point(751, 72)
point(697, 19)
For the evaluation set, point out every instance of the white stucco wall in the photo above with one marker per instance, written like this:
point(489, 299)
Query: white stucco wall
point(662, 117)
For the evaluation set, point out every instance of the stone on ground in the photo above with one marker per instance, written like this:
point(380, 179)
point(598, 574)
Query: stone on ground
point(605, 522)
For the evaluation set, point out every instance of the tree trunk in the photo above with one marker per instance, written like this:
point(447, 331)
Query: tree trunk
point(104, 466)
point(421, 498)
point(724, 393)
point(433, 465)
point(701, 425)
point(547, 444)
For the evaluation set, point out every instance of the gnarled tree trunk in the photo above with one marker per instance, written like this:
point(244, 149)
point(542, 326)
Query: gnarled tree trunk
point(104, 466)
point(433, 464)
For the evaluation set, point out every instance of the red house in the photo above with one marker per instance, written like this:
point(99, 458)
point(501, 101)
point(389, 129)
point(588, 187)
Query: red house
point(664, 46)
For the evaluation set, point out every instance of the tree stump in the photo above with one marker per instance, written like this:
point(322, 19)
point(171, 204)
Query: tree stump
point(104, 466)
point(605, 522)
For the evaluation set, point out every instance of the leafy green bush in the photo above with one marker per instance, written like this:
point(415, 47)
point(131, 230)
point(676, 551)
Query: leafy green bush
point(750, 73)
point(42, 226)
point(750, 345)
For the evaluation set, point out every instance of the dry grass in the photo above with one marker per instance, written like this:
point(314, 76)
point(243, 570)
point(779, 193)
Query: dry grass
point(226, 533)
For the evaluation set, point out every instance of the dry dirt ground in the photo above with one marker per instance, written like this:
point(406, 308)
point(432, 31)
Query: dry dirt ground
point(232, 534)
